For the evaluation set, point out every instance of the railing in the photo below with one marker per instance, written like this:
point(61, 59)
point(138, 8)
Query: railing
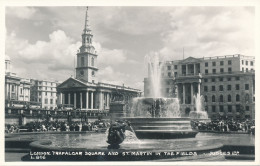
point(117, 87)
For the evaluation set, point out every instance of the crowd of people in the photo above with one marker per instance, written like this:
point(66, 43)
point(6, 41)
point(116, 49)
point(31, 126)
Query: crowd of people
point(225, 126)
point(57, 126)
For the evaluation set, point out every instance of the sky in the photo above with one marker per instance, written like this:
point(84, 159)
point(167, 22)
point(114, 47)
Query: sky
point(42, 42)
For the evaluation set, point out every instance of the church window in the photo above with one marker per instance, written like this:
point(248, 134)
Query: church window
point(82, 61)
point(92, 61)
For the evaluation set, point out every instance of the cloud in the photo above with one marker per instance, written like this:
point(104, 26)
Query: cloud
point(21, 12)
point(214, 33)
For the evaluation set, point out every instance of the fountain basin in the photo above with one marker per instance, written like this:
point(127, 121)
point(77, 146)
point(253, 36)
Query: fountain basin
point(162, 128)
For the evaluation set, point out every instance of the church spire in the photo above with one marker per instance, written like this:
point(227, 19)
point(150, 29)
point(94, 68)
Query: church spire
point(86, 27)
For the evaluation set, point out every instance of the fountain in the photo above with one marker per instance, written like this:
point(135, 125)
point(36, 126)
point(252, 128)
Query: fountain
point(158, 117)
point(199, 113)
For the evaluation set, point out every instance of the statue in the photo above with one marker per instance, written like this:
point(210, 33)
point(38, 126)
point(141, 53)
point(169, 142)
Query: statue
point(116, 133)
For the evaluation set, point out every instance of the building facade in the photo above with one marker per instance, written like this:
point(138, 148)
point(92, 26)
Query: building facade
point(84, 92)
point(16, 88)
point(44, 92)
point(227, 84)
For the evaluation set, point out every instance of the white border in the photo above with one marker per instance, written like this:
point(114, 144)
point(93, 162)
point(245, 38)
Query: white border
point(4, 3)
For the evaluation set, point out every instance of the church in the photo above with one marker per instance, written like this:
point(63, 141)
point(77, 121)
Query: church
point(84, 92)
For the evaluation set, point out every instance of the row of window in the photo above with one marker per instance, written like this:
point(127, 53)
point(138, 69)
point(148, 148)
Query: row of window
point(46, 101)
point(214, 71)
point(170, 67)
point(46, 93)
point(46, 83)
point(221, 79)
point(221, 98)
point(221, 63)
point(83, 61)
point(251, 62)
point(46, 88)
point(221, 108)
point(221, 87)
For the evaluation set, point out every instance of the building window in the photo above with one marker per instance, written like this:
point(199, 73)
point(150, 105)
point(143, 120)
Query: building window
point(221, 108)
point(169, 67)
point(214, 71)
point(213, 108)
point(40, 93)
point(229, 87)
point(246, 69)
point(237, 86)
point(238, 108)
point(242, 69)
point(175, 67)
point(213, 63)
point(213, 99)
point(93, 73)
point(221, 79)
point(246, 86)
point(205, 80)
point(92, 61)
point(51, 93)
point(221, 88)
point(206, 64)
point(247, 108)
point(213, 88)
point(229, 69)
point(246, 62)
point(242, 62)
point(205, 88)
point(175, 74)
point(213, 80)
point(229, 98)
point(229, 78)
point(51, 101)
point(46, 93)
point(237, 97)
point(221, 98)
point(206, 71)
point(230, 62)
point(169, 74)
point(229, 108)
point(82, 61)
point(237, 78)
point(46, 101)
point(21, 91)
point(252, 63)
point(221, 63)
point(206, 98)
point(221, 70)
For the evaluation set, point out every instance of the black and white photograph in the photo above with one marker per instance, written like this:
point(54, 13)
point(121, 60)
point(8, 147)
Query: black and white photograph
point(161, 83)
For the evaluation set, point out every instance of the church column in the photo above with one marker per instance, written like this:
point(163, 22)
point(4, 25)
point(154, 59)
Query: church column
point(80, 100)
point(68, 98)
point(92, 101)
point(10, 91)
point(100, 100)
point(7, 91)
point(108, 100)
point(87, 100)
point(186, 69)
point(191, 87)
point(194, 68)
point(63, 98)
point(183, 93)
point(199, 88)
point(75, 100)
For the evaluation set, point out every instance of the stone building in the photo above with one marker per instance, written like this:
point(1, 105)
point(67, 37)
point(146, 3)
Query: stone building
point(44, 92)
point(84, 92)
point(227, 84)
point(16, 88)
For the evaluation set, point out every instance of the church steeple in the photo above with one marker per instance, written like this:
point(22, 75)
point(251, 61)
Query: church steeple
point(87, 37)
point(86, 57)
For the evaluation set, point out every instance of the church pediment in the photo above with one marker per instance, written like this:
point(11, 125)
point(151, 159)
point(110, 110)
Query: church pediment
point(72, 83)
point(191, 60)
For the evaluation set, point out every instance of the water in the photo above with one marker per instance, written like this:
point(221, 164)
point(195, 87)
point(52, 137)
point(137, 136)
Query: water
point(199, 112)
point(155, 107)
point(154, 69)
point(98, 141)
